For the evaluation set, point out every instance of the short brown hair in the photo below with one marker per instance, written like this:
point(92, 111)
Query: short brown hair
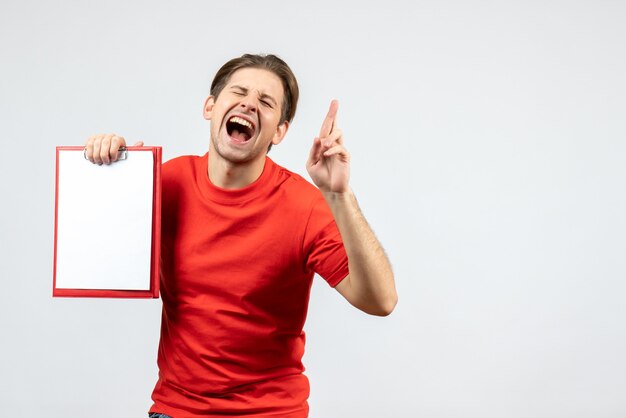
point(265, 62)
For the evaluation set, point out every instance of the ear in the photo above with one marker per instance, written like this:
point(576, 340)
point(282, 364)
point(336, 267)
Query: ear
point(208, 107)
point(281, 131)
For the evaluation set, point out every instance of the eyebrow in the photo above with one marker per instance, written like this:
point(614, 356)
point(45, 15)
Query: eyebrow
point(262, 95)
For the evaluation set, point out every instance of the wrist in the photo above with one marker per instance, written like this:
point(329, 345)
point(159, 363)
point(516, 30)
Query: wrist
point(338, 200)
point(338, 196)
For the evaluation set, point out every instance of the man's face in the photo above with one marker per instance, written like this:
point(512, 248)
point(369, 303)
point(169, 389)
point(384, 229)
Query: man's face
point(245, 116)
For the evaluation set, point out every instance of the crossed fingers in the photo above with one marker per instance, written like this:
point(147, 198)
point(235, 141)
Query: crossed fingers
point(331, 137)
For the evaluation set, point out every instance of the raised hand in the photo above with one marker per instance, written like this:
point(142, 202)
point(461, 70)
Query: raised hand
point(329, 161)
point(102, 149)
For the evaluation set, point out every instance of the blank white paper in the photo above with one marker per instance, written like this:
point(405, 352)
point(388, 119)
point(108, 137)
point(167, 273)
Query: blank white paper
point(104, 222)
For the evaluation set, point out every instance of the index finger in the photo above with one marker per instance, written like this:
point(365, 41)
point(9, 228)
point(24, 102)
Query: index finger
point(329, 121)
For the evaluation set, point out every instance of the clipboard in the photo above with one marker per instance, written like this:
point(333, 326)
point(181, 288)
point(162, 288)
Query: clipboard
point(107, 224)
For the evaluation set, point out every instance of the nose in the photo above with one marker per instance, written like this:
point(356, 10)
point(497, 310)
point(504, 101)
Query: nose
point(247, 105)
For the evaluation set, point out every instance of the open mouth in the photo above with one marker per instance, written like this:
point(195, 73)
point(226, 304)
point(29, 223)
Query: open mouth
point(239, 128)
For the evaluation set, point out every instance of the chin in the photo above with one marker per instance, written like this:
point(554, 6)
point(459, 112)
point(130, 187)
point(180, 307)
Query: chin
point(233, 155)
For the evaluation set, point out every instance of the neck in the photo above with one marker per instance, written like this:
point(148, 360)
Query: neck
point(229, 175)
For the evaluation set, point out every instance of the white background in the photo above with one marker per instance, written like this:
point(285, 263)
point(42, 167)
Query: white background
point(489, 147)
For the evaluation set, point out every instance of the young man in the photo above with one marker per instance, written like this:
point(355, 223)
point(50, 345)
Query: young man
point(241, 240)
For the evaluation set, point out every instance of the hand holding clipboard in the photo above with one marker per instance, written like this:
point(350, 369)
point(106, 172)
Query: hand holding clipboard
point(112, 211)
point(104, 148)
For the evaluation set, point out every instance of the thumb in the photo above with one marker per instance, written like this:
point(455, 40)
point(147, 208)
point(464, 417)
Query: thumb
point(138, 144)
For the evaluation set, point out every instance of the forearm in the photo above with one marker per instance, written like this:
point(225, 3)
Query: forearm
point(370, 284)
